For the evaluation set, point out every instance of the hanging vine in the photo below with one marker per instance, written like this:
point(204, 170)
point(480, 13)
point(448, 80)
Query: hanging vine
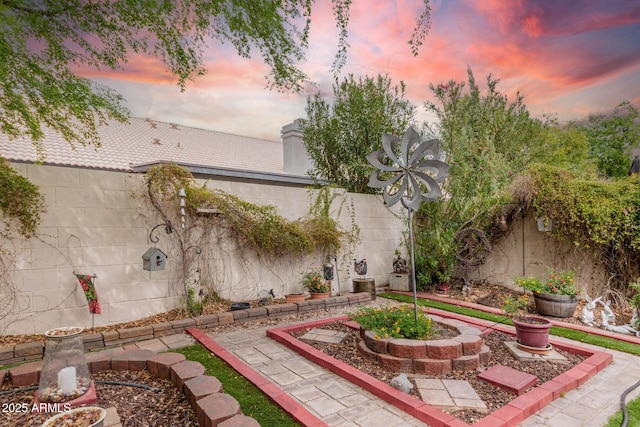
point(602, 217)
point(255, 227)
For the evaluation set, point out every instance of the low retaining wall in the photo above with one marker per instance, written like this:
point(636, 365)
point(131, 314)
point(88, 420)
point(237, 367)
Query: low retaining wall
point(203, 392)
point(35, 350)
point(465, 352)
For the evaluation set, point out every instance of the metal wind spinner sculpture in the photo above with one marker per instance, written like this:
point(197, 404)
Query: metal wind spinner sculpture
point(414, 176)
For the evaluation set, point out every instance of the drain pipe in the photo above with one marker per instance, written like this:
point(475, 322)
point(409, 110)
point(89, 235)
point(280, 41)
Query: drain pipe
point(625, 412)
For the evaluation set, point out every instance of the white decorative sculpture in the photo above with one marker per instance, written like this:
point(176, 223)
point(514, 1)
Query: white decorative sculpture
point(609, 321)
point(588, 316)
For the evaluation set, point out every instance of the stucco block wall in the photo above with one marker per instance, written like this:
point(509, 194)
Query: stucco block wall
point(93, 225)
point(541, 252)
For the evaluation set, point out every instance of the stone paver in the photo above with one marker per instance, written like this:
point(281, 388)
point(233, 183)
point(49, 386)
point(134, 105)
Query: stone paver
point(334, 400)
point(576, 408)
point(509, 379)
point(324, 336)
point(522, 355)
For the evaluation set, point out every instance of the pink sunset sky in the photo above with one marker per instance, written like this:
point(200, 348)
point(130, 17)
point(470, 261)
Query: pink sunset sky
point(569, 58)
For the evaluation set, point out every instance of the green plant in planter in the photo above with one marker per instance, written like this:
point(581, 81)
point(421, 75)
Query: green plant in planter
point(314, 282)
point(562, 283)
point(394, 322)
point(516, 307)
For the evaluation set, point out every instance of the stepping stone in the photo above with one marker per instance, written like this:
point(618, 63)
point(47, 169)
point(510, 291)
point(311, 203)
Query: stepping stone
point(324, 336)
point(508, 379)
point(524, 355)
point(449, 394)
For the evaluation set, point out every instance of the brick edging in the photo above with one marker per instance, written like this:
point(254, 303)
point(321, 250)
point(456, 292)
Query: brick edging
point(204, 393)
point(287, 403)
point(35, 350)
point(509, 415)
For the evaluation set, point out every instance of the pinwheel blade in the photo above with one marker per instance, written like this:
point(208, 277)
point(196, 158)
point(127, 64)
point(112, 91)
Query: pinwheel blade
point(409, 139)
point(376, 158)
point(427, 148)
point(376, 182)
point(389, 144)
point(392, 199)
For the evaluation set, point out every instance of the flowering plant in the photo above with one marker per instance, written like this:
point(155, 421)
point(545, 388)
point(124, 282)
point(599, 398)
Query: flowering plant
point(394, 322)
point(562, 283)
point(314, 282)
point(516, 307)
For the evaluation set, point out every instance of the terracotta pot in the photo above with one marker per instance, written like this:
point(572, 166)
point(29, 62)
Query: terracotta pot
point(555, 305)
point(294, 297)
point(320, 295)
point(532, 331)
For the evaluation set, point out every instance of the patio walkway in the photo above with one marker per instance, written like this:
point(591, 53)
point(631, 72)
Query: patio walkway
point(337, 402)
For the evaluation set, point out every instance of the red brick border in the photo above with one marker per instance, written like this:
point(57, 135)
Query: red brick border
point(287, 403)
point(507, 416)
point(204, 393)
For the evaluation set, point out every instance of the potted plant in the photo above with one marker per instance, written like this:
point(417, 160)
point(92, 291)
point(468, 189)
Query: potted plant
point(314, 281)
point(531, 331)
point(556, 296)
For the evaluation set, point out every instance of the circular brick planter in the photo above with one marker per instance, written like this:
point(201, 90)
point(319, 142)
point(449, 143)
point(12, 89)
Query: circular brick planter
point(465, 352)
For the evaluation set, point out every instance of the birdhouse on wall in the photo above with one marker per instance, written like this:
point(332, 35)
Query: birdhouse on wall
point(154, 260)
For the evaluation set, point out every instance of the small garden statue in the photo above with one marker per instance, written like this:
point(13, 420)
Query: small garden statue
point(360, 267)
point(608, 317)
point(588, 317)
point(400, 265)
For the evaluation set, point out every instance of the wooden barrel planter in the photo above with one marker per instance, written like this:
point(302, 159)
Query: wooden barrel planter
point(555, 305)
point(365, 285)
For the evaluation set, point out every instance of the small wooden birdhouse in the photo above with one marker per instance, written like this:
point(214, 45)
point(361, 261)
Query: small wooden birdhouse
point(154, 260)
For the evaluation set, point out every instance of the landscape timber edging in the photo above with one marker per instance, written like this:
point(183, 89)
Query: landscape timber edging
point(34, 351)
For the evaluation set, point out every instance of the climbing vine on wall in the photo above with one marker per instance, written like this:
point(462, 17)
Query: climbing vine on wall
point(258, 227)
point(20, 201)
point(602, 217)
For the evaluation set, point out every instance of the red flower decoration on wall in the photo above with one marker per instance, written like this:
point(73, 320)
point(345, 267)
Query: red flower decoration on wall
point(86, 282)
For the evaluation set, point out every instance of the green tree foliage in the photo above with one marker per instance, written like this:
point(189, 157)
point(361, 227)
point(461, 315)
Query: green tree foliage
point(567, 148)
point(611, 139)
point(486, 138)
point(43, 44)
point(340, 135)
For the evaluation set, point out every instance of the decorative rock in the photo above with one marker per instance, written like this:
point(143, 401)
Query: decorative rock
point(402, 383)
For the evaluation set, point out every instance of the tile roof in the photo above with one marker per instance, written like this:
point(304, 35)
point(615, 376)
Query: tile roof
point(144, 141)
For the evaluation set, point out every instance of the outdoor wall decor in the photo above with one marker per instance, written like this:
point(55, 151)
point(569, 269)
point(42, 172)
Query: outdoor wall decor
point(154, 260)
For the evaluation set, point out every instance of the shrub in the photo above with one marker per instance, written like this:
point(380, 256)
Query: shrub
point(394, 322)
